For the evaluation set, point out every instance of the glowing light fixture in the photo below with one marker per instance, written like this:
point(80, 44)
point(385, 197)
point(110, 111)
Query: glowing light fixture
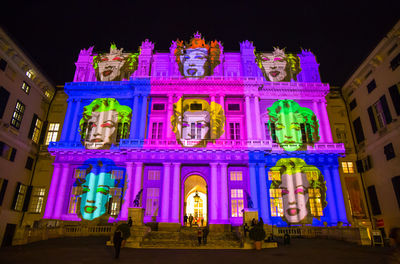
point(196, 197)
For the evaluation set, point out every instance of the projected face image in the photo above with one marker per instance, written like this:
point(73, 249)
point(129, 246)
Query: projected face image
point(288, 131)
point(95, 195)
point(110, 66)
point(101, 129)
point(195, 126)
point(193, 62)
point(295, 196)
point(274, 66)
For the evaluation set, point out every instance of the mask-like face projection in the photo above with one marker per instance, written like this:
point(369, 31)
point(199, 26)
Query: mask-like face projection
point(110, 66)
point(101, 130)
point(274, 66)
point(95, 195)
point(193, 62)
point(195, 127)
point(295, 196)
point(288, 131)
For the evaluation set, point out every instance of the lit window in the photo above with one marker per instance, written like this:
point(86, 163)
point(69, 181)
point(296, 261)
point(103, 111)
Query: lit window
point(47, 94)
point(347, 167)
point(152, 201)
point(117, 174)
point(30, 74)
point(153, 175)
point(21, 192)
point(75, 199)
point(234, 129)
point(237, 202)
point(7, 152)
point(274, 176)
point(18, 115)
point(37, 200)
point(36, 130)
point(26, 87)
point(276, 202)
point(80, 174)
point(52, 133)
point(115, 201)
point(236, 176)
point(315, 202)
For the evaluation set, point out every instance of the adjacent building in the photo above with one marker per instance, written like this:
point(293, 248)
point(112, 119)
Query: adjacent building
point(25, 95)
point(373, 102)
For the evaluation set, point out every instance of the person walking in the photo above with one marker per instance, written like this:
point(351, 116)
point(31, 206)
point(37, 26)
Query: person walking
point(205, 234)
point(185, 219)
point(190, 220)
point(117, 240)
point(199, 235)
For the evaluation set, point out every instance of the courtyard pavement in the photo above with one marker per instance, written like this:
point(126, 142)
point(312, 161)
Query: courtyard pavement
point(93, 250)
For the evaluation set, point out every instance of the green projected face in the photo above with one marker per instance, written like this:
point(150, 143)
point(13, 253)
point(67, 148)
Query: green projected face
point(291, 125)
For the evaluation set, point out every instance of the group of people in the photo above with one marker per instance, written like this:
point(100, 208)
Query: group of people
point(202, 235)
point(193, 221)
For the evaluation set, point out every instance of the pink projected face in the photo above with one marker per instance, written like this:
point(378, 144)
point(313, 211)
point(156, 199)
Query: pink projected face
point(101, 130)
point(110, 66)
point(195, 127)
point(193, 62)
point(274, 66)
point(295, 196)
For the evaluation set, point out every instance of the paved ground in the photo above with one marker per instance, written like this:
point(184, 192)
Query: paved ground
point(93, 250)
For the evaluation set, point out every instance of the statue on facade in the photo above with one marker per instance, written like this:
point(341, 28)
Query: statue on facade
point(249, 201)
point(136, 202)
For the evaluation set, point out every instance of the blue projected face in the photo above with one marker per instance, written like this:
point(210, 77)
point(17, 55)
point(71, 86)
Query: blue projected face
point(95, 195)
point(193, 62)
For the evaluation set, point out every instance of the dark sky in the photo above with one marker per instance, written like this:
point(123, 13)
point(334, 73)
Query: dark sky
point(341, 34)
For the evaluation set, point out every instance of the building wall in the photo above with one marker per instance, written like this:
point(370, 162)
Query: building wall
point(367, 86)
point(15, 65)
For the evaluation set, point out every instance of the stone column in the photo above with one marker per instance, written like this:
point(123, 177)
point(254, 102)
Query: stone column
point(264, 202)
point(53, 190)
point(213, 204)
point(257, 115)
point(169, 114)
point(222, 103)
point(248, 119)
point(165, 193)
point(224, 202)
point(253, 185)
point(319, 117)
point(143, 118)
point(330, 196)
point(326, 126)
point(128, 192)
point(73, 130)
point(59, 206)
point(341, 208)
point(212, 136)
point(67, 121)
point(132, 133)
point(176, 180)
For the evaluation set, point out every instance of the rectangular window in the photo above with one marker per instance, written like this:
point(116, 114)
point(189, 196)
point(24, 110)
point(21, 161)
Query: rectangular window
point(159, 107)
point(29, 163)
point(18, 115)
point(358, 129)
point(273, 132)
point(3, 188)
point(234, 129)
point(373, 198)
point(20, 197)
point(156, 130)
point(74, 201)
point(276, 202)
point(36, 127)
point(315, 201)
point(30, 74)
point(3, 64)
point(153, 175)
point(364, 164)
point(237, 202)
point(396, 188)
point(395, 62)
point(266, 130)
point(115, 204)
point(52, 133)
point(117, 174)
point(234, 107)
point(347, 167)
point(379, 114)
point(4, 95)
point(392, 49)
point(394, 94)
point(340, 131)
point(152, 201)
point(7, 152)
point(353, 104)
point(37, 200)
point(236, 175)
point(389, 151)
point(196, 107)
point(80, 173)
point(371, 86)
point(26, 87)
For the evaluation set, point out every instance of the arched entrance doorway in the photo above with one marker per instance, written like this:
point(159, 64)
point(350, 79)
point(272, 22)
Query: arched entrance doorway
point(195, 200)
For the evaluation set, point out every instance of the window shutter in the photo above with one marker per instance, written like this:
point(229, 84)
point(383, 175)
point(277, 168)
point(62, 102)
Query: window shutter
point(372, 119)
point(394, 93)
point(30, 134)
point(3, 190)
point(43, 133)
point(359, 165)
point(376, 209)
point(15, 196)
point(386, 110)
point(13, 153)
point(369, 162)
point(396, 187)
point(4, 95)
point(27, 198)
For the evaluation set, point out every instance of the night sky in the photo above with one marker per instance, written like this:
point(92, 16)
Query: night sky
point(340, 34)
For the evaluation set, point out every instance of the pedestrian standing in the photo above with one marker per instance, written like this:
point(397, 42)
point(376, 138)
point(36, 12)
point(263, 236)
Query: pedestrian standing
point(190, 220)
point(130, 221)
point(117, 241)
point(199, 235)
point(253, 222)
point(205, 234)
point(185, 219)
point(202, 221)
point(245, 229)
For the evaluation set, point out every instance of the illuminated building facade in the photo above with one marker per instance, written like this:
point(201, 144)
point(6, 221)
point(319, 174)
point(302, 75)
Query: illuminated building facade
point(238, 130)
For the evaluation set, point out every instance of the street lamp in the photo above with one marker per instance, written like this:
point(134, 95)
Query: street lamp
point(196, 197)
